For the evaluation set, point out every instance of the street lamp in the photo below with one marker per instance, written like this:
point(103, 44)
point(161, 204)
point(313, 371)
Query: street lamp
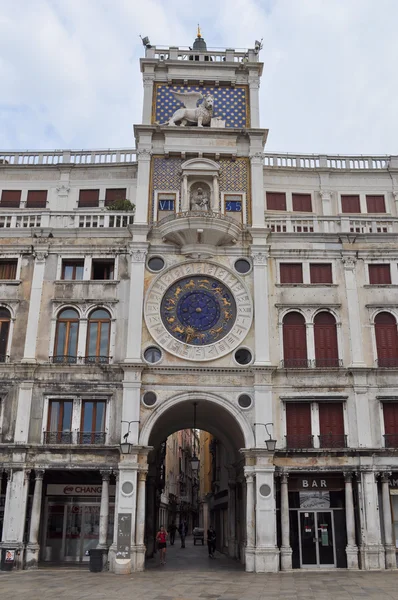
point(195, 462)
point(125, 446)
point(270, 442)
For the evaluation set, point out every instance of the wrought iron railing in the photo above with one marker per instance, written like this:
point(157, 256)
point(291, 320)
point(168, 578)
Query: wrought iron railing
point(4, 358)
point(94, 360)
point(332, 440)
point(299, 441)
point(387, 363)
point(296, 363)
point(91, 437)
point(317, 363)
point(391, 440)
point(58, 437)
point(328, 363)
point(63, 359)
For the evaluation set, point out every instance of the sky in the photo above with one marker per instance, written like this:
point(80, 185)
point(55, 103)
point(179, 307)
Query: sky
point(70, 74)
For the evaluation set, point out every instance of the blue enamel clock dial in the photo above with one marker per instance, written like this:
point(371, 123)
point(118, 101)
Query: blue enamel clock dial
point(198, 310)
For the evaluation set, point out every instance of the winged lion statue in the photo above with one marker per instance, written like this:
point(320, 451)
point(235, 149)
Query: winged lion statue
point(192, 113)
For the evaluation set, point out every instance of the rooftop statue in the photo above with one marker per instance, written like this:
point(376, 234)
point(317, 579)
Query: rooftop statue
point(201, 114)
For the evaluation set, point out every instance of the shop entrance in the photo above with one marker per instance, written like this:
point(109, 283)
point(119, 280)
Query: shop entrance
point(72, 530)
point(316, 533)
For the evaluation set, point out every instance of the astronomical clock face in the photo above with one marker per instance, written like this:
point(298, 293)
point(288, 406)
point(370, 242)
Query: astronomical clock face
point(198, 311)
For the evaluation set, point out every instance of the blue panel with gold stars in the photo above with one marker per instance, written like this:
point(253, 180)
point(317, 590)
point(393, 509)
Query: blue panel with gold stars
point(198, 310)
point(231, 104)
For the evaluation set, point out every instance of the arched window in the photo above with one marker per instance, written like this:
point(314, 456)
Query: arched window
point(386, 340)
point(98, 333)
point(65, 349)
point(294, 341)
point(5, 320)
point(325, 338)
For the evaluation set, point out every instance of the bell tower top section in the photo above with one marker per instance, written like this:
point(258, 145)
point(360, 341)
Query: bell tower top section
point(231, 77)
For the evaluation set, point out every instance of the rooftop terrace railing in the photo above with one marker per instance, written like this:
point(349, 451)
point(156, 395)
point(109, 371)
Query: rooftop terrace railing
point(76, 157)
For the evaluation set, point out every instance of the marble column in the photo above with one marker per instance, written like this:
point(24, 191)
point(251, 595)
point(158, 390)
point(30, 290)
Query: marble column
point(104, 510)
point(371, 550)
point(33, 547)
point(140, 525)
point(134, 326)
point(354, 319)
point(250, 523)
point(261, 304)
point(389, 545)
point(286, 550)
point(34, 306)
point(267, 552)
point(113, 547)
point(257, 178)
point(15, 513)
point(216, 195)
point(232, 518)
point(148, 80)
point(351, 548)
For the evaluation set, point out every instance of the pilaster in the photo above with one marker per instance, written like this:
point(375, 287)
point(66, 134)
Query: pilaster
point(138, 254)
point(33, 547)
point(355, 330)
point(260, 256)
point(32, 327)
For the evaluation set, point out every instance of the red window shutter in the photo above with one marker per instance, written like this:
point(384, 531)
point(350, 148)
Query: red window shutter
point(291, 272)
point(88, 198)
point(113, 194)
point(325, 338)
point(298, 425)
point(390, 412)
point(379, 274)
point(302, 202)
point(350, 204)
point(375, 204)
point(10, 198)
point(276, 201)
point(321, 273)
point(36, 199)
point(331, 418)
point(294, 341)
point(386, 340)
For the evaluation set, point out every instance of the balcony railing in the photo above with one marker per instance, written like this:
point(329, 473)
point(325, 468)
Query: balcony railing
point(299, 441)
point(387, 363)
point(91, 437)
point(317, 363)
point(4, 358)
point(58, 437)
point(332, 440)
point(95, 360)
point(391, 440)
point(63, 359)
point(334, 224)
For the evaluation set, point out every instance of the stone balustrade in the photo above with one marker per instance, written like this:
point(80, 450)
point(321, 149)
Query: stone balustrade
point(75, 157)
point(333, 224)
point(66, 220)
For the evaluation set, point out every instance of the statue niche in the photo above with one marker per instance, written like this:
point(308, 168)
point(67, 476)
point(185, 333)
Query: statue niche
point(200, 197)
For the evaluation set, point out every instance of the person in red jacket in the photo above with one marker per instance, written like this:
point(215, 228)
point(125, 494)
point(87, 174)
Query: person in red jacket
point(161, 538)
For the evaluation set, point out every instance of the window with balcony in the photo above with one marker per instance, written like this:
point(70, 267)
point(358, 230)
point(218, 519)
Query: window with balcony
point(302, 202)
point(88, 198)
point(114, 194)
point(103, 269)
point(325, 340)
point(298, 425)
point(390, 413)
point(350, 203)
point(379, 274)
point(8, 269)
point(5, 321)
point(331, 425)
point(36, 199)
point(67, 329)
point(10, 199)
point(321, 273)
point(276, 201)
point(291, 272)
point(72, 270)
point(59, 423)
point(294, 341)
point(92, 428)
point(375, 204)
point(386, 340)
point(98, 335)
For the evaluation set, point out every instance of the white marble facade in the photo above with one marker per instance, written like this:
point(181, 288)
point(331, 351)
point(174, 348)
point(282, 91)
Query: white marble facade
point(46, 461)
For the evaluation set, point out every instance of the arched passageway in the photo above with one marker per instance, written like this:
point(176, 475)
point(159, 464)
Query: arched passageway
point(216, 493)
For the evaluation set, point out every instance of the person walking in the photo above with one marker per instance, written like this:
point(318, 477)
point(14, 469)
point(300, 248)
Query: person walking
point(211, 541)
point(161, 538)
point(182, 530)
point(172, 532)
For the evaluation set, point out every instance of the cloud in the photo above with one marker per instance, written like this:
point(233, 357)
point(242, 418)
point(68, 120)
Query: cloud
point(70, 75)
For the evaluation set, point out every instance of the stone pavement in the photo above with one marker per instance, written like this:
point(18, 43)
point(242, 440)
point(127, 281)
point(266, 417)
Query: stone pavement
point(190, 575)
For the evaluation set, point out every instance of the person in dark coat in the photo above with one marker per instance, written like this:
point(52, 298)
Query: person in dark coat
point(172, 532)
point(211, 541)
point(182, 530)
